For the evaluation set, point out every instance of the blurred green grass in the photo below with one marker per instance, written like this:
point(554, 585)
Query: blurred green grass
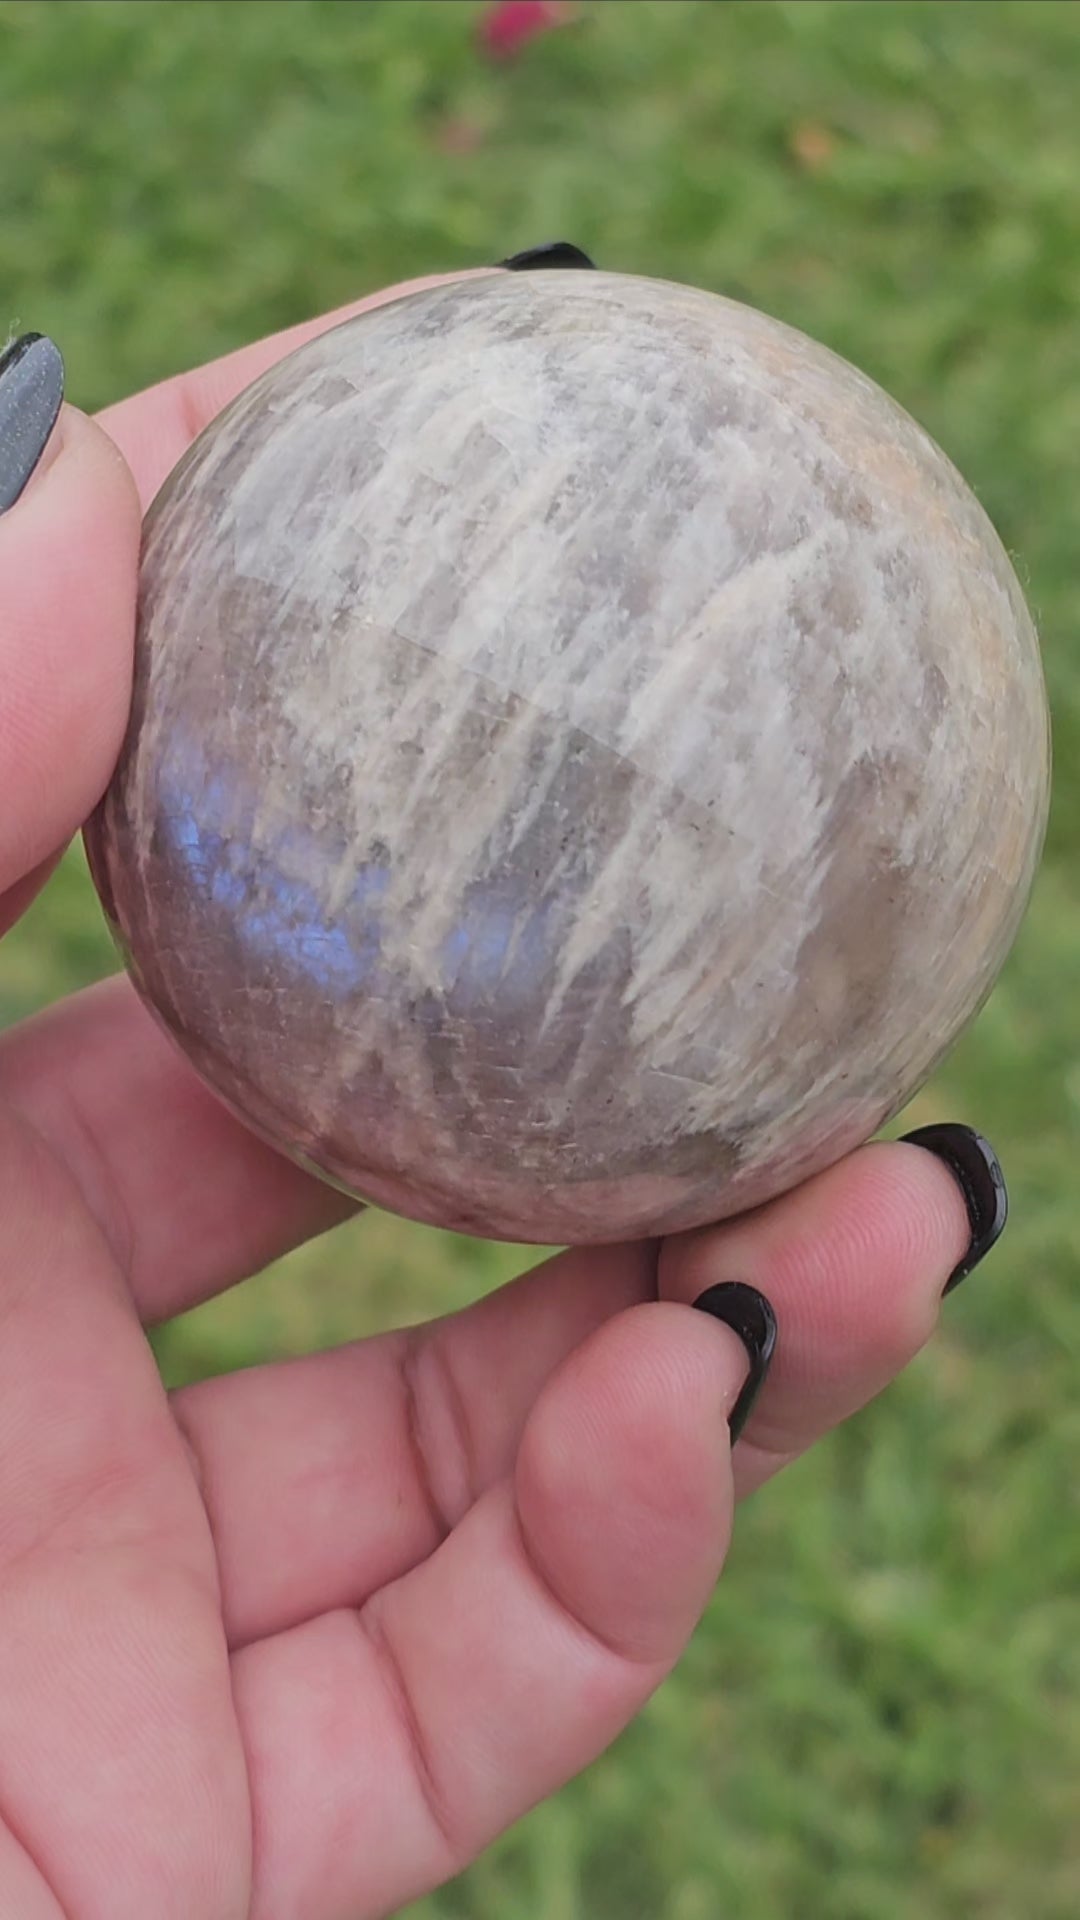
point(881, 1715)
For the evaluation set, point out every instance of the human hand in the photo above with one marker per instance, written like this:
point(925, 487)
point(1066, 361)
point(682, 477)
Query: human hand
point(298, 1643)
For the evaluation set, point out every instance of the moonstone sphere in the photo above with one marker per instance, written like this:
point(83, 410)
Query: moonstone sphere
point(588, 758)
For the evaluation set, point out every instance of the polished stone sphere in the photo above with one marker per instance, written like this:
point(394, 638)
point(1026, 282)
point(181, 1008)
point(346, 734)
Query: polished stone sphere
point(588, 758)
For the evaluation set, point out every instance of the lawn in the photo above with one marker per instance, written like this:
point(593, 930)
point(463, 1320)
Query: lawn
point(880, 1717)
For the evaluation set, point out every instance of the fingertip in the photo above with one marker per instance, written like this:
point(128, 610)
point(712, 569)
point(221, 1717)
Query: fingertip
point(855, 1263)
point(69, 554)
point(888, 1219)
point(921, 1200)
point(623, 1481)
point(90, 454)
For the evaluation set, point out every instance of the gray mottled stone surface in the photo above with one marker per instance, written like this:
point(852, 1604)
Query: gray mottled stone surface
point(589, 757)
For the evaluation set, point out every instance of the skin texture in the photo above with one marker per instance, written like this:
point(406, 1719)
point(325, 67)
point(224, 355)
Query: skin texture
point(229, 1689)
point(589, 757)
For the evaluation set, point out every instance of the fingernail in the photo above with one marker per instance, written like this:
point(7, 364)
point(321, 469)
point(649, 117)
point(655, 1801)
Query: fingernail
point(749, 1315)
point(977, 1171)
point(556, 253)
point(31, 390)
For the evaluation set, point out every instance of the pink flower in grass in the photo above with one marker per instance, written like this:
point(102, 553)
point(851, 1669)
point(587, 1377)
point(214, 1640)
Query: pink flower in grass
point(511, 24)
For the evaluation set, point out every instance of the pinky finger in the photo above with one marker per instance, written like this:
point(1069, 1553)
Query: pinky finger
point(388, 1746)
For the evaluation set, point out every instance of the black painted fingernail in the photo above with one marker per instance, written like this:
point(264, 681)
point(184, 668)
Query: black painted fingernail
point(977, 1171)
point(749, 1315)
point(556, 253)
point(31, 390)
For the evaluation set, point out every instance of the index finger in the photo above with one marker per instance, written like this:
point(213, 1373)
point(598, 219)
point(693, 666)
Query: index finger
point(153, 429)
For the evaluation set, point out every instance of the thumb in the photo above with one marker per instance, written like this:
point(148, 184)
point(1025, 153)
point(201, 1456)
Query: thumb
point(69, 544)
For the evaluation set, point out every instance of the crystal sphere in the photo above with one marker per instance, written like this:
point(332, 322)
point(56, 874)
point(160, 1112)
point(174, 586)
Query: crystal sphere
point(588, 758)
